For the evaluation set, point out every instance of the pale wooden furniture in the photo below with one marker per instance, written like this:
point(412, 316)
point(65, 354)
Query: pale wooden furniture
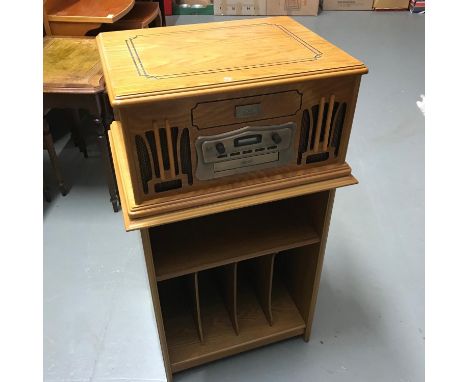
point(72, 78)
point(81, 17)
point(234, 260)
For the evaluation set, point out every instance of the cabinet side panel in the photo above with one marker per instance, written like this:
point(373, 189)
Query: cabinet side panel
point(319, 265)
point(134, 170)
point(348, 122)
point(300, 267)
point(156, 304)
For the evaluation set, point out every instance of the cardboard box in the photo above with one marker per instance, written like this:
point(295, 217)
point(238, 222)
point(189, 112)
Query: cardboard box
point(391, 4)
point(236, 7)
point(347, 5)
point(292, 7)
point(266, 7)
point(417, 6)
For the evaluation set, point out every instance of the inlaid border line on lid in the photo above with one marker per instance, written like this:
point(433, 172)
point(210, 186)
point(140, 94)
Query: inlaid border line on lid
point(142, 71)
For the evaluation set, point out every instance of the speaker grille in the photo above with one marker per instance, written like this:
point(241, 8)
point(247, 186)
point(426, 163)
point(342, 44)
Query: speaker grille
point(321, 129)
point(144, 161)
point(158, 158)
point(185, 155)
point(339, 122)
point(304, 138)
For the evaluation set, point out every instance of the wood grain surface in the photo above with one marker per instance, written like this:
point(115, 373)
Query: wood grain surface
point(144, 64)
point(71, 63)
point(220, 338)
point(235, 262)
point(236, 235)
point(88, 11)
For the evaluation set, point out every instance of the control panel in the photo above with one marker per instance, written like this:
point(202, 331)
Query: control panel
point(246, 149)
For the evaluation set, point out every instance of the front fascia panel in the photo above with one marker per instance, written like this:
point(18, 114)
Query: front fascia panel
point(161, 138)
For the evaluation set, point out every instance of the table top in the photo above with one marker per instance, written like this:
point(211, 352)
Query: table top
point(163, 62)
point(71, 65)
point(91, 11)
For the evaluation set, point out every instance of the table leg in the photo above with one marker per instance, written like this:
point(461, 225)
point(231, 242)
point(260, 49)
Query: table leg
point(77, 136)
point(163, 12)
point(49, 145)
point(104, 148)
point(160, 20)
point(46, 193)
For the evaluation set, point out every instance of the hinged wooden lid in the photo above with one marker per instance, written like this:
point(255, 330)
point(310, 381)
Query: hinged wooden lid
point(168, 62)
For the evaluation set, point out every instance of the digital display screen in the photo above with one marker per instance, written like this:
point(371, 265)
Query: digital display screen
point(248, 140)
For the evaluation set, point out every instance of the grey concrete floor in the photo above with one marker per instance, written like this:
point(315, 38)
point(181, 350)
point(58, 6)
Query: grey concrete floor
point(369, 322)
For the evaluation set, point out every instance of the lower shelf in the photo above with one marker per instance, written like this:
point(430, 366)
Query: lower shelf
point(238, 280)
point(185, 348)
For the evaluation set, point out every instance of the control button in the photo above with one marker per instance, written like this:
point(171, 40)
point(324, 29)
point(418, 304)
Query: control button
point(276, 138)
point(220, 148)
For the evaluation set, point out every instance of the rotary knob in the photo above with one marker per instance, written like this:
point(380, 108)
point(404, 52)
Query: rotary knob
point(220, 148)
point(275, 137)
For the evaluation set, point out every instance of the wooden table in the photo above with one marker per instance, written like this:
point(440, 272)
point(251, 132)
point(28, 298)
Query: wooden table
point(73, 78)
point(77, 17)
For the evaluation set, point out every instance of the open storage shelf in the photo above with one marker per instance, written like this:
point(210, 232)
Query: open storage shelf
point(237, 280)
point(202, 243)
point(230, 315)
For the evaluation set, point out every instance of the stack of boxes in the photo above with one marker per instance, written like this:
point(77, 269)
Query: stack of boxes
point(290, 7)
point(364, 5)
point(266, 7)
point(347, 5)
point(391, 5)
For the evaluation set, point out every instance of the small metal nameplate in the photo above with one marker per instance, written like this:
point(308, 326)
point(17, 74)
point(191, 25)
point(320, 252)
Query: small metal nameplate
point(247, 111)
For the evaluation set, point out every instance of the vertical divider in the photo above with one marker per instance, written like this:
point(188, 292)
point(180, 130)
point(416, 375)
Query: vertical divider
point(331, 106)
point(193, 285)
point(170, 149)
point(263, 281)
point(157, 138)
point(228, 277)
point(318, 132)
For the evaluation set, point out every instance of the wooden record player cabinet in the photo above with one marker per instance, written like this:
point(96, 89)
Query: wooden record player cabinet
point(229, 143)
